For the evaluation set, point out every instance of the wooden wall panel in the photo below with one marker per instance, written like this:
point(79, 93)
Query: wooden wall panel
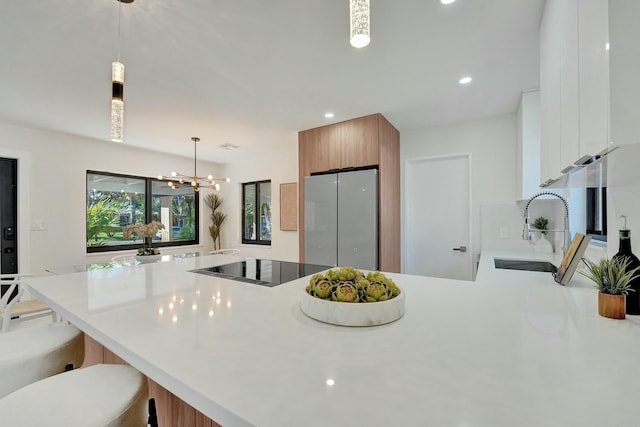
point(389, 148)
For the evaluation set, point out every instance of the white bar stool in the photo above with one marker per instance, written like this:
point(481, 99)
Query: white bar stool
point(97, 396)
point(30, 354)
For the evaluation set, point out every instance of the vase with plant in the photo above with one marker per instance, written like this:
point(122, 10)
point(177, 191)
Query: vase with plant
point(612, 279)
point(146, 232)
point(541, 225)
point(213, 201)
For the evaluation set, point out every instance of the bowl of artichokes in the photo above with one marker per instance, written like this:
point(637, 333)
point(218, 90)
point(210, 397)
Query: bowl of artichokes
point(349, 297)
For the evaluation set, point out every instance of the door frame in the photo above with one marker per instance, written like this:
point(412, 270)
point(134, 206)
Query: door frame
point(468, 156)
point(24, 213)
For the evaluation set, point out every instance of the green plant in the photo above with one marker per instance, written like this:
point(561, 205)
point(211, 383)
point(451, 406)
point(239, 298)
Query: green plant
point(188, 232)
point(610, 275)
point(214, 202)
point(541, 224)
point(102, 217)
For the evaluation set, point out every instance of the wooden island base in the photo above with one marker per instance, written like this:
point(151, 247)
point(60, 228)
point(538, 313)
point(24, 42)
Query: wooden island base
point(171, 410)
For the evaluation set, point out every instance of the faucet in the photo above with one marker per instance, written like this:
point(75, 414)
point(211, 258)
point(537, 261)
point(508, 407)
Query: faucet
point(526, 232)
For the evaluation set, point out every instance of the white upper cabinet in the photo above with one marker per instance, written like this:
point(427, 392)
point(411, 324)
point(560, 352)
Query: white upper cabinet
point(574, 82)
point(624, 36)
point(593, 36)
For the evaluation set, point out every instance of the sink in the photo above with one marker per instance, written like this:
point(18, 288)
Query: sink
point(523, 264)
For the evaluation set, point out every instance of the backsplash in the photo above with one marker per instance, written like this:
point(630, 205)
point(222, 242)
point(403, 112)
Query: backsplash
point(502, 224)
point(623, 195)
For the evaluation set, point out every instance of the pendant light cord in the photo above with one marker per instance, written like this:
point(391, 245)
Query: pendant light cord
point(119, 7)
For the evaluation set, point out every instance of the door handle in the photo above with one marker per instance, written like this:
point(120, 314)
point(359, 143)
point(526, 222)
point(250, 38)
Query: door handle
point(461, 249)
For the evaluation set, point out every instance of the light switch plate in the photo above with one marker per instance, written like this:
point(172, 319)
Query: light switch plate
point(504, 233)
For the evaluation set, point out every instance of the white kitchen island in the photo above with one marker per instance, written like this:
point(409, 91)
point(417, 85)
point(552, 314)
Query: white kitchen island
point(512, 349)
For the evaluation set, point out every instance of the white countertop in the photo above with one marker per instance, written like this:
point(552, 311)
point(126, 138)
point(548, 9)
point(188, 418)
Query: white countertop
point(512, 349)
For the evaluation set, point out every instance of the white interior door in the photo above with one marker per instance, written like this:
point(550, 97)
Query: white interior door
point(437, 218)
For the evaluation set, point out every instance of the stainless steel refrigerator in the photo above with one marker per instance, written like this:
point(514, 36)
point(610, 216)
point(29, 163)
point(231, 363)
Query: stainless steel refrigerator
point(341, 219)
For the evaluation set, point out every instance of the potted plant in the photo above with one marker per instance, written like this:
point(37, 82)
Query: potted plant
point(214, 202)
point(541, 224)
point(146, 253)
point(612, 280)
point(540, 227)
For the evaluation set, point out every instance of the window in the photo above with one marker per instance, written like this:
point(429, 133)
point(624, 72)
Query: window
point(256, 212)
point(597, 213)
point(114, 201)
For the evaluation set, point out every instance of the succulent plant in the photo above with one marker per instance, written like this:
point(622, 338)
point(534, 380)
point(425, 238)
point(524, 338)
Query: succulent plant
point(346, 284)
point(610, 275)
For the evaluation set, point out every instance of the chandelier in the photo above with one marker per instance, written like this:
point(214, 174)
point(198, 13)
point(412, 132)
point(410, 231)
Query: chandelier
point(360, 19)
point(176, 179)
point(117, 90)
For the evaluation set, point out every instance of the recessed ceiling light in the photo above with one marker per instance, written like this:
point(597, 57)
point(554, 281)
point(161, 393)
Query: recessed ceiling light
point(445, 2)
point(465, 80)
point(329, 115)
point(230, 146)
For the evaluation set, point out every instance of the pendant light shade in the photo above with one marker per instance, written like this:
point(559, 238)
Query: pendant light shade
point(360, 19)
point(117, 101)
point(117, 90)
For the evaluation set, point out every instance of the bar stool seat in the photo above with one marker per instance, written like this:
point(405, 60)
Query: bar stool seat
point(97, 396)
point(30, 354)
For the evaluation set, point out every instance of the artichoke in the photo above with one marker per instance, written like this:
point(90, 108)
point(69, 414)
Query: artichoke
point(346, 284)
point(345, 292)
point(323, 289)
point(377, 291)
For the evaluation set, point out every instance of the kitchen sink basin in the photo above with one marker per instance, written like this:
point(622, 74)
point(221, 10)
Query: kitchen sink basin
point(522, 264)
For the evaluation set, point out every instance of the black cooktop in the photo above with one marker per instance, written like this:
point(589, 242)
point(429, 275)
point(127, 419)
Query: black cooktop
point(265, 272)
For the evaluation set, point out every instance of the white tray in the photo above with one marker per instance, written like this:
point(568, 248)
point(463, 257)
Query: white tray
point(353, 314)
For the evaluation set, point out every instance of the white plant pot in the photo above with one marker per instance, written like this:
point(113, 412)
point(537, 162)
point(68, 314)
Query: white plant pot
point(145, 259)
point(543, 245)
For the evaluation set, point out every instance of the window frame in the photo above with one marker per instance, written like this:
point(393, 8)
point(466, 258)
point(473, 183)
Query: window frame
point(257, 240)
point(596, 209)
point(148, 206)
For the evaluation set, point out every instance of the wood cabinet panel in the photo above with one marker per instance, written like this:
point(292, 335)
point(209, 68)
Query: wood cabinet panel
point(358, 142)
point(321, 151)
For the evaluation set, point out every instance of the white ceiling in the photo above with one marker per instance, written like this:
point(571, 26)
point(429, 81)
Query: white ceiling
point(255, 72)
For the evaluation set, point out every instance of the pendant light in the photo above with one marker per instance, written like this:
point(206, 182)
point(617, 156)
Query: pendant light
point(177, 178)
point(117, 90)
point(360, 22)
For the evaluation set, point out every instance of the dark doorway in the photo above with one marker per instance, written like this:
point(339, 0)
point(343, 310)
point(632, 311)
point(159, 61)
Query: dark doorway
point(8, 216)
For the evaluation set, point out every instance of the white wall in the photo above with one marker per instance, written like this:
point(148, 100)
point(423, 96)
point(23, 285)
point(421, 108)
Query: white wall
point(492, 144)
point(52, 175)
point(528, 145)
point(280, 167)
